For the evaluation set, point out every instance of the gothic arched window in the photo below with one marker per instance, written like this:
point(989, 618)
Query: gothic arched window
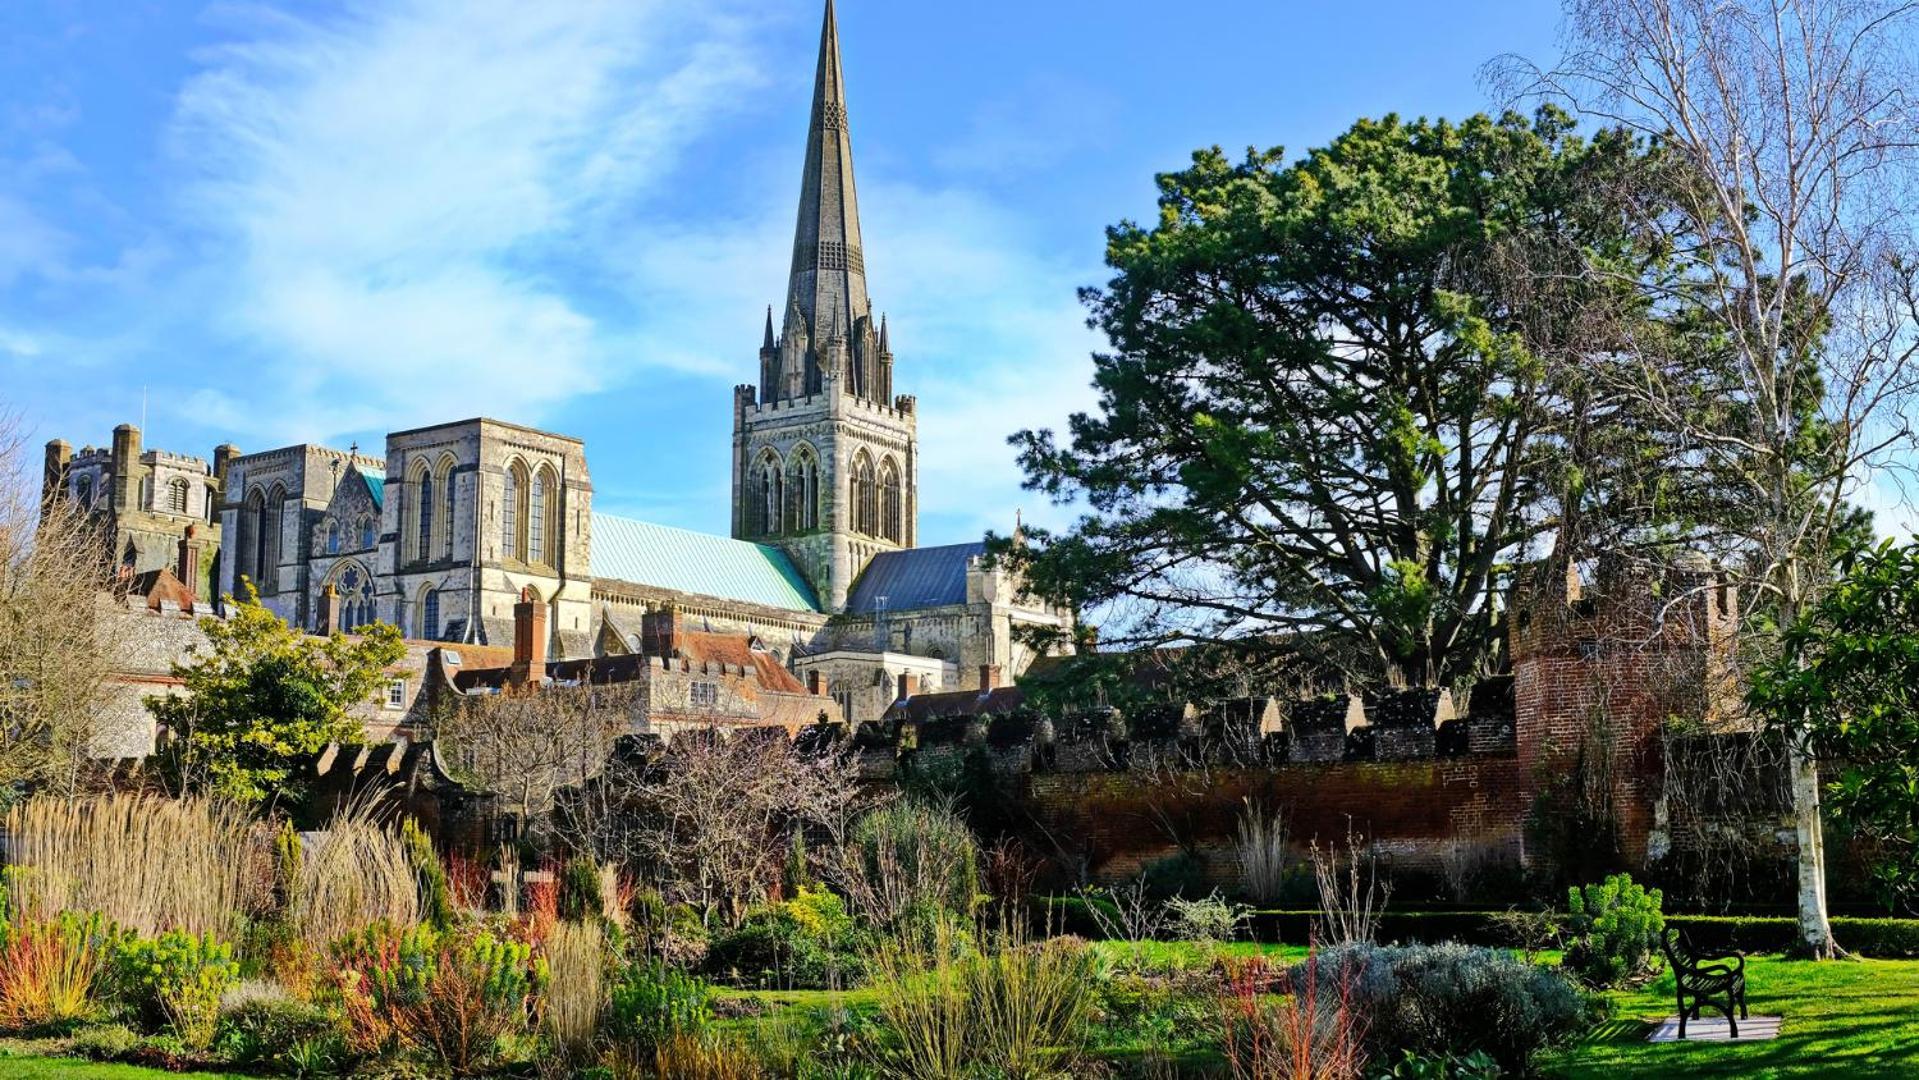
point(536, 517)
point(83, 492)
point(366, 533)
point(803, 490)
point(430, 614)
point(177, 495)
point(250, 552)
point(891, 520)
point(270, 539)
point(333, 538)
point(863, 496)
point(443, 510)
point(768, 495)
point(510, 511)
point(423, 518)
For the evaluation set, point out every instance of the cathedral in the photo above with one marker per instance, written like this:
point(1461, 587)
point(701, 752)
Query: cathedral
point(454, 525)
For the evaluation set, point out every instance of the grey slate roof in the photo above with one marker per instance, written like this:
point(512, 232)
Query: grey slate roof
point(914, 578)
point(691, 562)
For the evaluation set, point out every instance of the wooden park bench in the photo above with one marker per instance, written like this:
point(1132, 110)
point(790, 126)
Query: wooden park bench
point(1705, 979)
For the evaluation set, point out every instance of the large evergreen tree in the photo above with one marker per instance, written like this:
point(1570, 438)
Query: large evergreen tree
point(1325, 417)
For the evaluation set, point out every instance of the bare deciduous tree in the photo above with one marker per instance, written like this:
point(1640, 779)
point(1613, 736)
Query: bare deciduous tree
point(716, 811)
point(526, 746)
point(57, 632)
point(1779, 357)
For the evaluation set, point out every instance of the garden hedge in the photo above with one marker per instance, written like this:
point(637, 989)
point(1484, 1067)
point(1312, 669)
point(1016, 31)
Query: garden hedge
point(1888, 939)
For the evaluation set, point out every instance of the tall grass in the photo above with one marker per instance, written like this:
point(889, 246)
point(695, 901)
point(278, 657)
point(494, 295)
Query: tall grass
point(576, 985)
point(49, 973)
point(1015, 1008)
point(1260, 844)
point(355, 873)
point(149, 864)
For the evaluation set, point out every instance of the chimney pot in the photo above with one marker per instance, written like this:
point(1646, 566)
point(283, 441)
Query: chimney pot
point(816, 683)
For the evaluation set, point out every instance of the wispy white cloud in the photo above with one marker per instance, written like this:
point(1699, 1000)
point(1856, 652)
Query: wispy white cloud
point(400, 196)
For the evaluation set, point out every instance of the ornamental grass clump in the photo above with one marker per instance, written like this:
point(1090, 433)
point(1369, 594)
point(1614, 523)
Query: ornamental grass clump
point(50, 971)
point(575, 998)
point(355, 873)
point(147, 863)
point(1615, 927)
point(1013, 1007)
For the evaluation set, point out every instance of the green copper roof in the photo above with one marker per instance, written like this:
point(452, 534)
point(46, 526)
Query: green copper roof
point(690, 562)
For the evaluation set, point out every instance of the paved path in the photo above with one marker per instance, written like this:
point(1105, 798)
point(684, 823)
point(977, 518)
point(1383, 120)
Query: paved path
point(1713, 1029)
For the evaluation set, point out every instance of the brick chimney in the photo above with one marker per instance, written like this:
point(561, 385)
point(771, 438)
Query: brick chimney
point(988, 677)
point(529, 640)
point(816, 683)
point(188, 570)
point(909, 685)
point(329, 608)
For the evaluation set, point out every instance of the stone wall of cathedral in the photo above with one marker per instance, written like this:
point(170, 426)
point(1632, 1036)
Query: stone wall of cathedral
point(831, 478)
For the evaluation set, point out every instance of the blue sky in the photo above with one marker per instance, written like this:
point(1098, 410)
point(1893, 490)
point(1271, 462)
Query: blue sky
point(300, 221)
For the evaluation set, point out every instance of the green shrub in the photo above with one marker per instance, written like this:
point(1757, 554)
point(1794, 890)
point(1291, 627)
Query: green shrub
point(105, 1042)
point(1451, 1000)
point(651, 1003)
point(914, 855)
point(1615, 927)
point(580, 896)
point(808, 942)
point(436, 896)
point(1176, 875)
point(1412, 1066)
point(461, 997)
point(275, 1033)
point(178, 977)
point(1208, 919)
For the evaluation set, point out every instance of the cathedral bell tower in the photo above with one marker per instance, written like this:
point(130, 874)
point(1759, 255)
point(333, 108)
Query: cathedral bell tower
point(825, 458)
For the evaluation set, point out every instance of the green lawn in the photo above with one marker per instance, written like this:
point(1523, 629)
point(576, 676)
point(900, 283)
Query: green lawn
point(1855, 1018)
point(43, 1068)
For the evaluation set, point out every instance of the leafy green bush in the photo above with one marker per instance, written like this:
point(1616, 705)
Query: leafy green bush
point(274, 1033)
point(461, 997)
point(808, 942)
point(652, 1003)
point(1175, 875)
point(1412, 1066)
point(580, 896)
point(910, 855)
point(105, 1042)
point(436, 895)
point(178, 977)
point(1451, 1000)
point(1615, 927)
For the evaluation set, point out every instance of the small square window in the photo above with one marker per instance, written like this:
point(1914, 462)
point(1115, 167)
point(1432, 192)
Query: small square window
point(396, 693)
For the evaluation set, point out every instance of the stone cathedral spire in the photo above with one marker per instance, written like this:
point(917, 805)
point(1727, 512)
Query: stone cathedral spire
point(825, 456)
point(828, 330)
